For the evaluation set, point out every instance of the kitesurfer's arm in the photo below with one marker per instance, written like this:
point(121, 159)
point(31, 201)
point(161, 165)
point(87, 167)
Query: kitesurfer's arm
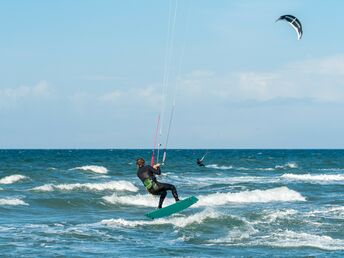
point(155, 170)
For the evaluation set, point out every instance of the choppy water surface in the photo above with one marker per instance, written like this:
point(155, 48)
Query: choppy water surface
point(251, 203)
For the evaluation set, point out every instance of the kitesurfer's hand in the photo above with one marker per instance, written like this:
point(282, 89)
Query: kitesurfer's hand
point(156, 166)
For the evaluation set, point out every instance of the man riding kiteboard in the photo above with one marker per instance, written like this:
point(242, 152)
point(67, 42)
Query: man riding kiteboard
point(147, 176)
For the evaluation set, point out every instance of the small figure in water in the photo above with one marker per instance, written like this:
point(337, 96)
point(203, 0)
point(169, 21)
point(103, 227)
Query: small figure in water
point(147, 176)
point(200, 162)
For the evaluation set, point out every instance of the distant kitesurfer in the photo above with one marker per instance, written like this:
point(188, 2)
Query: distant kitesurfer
point(147, 176)
point(200, 162)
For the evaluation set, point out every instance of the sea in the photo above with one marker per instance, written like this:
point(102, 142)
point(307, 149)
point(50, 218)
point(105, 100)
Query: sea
point(252, 203)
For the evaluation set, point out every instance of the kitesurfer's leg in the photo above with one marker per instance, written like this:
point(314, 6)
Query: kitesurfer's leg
point(162, 198)
point(168, 187)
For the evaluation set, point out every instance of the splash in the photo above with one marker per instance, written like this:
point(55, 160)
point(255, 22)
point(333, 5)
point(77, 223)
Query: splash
point(12, 179)
point(92, 168)
point(179, 222)
point(112, 185)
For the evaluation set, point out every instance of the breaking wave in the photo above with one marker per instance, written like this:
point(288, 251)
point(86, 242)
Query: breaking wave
point(12, 202)
point(314, 178)
point(287, 165)
point(179, 222)
point(270, 217)
point(280, 194)
point(215, 166)
point(295, 239)
point(112, 185)
point(12, 179)
point(92, 168)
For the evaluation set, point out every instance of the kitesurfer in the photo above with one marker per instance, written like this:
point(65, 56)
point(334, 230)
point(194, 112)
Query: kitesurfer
point(147, 176)
point(200, 162)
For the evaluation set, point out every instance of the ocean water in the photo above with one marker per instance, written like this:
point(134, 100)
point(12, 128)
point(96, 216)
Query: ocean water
point(89, 203)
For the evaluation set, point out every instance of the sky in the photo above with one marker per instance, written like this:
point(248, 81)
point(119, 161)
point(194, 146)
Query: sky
point(90, 74)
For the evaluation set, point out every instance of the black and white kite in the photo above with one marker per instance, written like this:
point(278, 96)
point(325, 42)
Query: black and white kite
point(294, 22)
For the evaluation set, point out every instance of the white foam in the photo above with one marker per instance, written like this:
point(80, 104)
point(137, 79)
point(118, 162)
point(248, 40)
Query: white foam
point(279, 194)
point(236, 234)
point(147, 200)
point(298, 239)
point(314, 178)
point(112, 185)
point(278, 214)
point(179, 222)
point(287, 165)
point(215, 166)
point(205, 181)
point(336, 212)
point(12, 179)
point(93, 168)
point(13, 202)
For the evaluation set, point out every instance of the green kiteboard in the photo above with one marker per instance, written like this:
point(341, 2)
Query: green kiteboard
point(173, 208)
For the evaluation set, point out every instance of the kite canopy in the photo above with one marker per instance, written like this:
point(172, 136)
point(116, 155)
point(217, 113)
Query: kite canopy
point(294, 22)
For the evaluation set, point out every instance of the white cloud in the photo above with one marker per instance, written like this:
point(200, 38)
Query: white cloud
point(10, 97)
point(318, 80)
point(110, 96)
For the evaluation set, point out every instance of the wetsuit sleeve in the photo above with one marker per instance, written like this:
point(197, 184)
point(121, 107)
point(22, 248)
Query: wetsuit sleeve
point(154, 171)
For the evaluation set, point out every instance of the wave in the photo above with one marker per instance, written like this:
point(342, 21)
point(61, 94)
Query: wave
point(336, 212)
point(112, 185)
point(12, 179)
point(215, 166)
point(179, 222)
point(146, 200)
point(238, 233)
point(206, 181)
point(93, 168)
point(287, 165)
point(285, 239)
point(280, 194)
point(270, 217)
point(12, 202)
point(291, 239)
point(314, 178)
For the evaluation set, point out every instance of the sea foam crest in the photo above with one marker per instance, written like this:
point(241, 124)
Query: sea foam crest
point(292, 239)
point(287, 165)
point(179, 222)
point(318, 178)
point(112, 185)
point(12, 202)
point(280, 194)
point(147, 200)
point(215, 166)
point(12, 179)
point(92, 168)
point(270, 217)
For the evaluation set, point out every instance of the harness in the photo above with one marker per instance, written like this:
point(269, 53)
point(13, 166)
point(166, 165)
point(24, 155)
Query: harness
point(150, 184)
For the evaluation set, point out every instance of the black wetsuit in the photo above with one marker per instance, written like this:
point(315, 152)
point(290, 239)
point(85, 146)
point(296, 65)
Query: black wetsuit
point(156, 188)
point(200, 163)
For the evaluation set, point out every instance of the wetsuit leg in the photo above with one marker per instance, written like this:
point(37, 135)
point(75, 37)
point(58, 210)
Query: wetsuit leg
point(163, 187)
point(162, 198)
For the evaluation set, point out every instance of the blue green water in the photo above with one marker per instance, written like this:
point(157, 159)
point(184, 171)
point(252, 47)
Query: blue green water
point(89, 203)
